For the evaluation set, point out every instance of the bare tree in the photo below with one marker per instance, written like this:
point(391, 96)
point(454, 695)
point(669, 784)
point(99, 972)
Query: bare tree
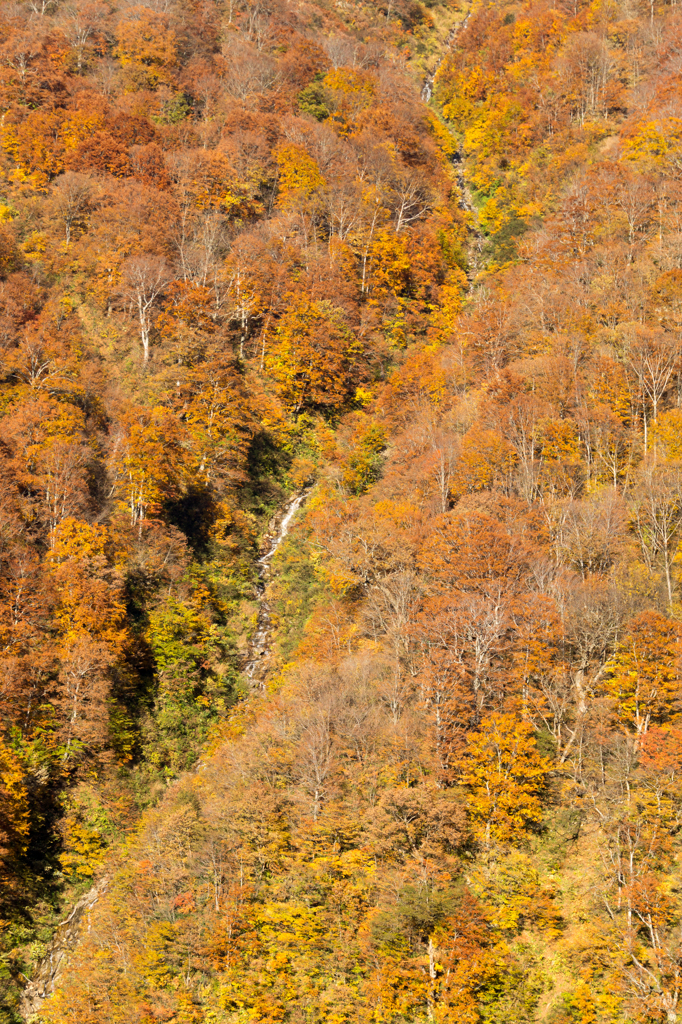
point(19, 52)
point(72, 195)
point(144, 279)
point(409, 199)
point(250, 71)
point(468, 634)
point(79, 22)
point(609, 447)
point(42, 7)
point(391, 607)
point(657, 519)
point(587, 535)
point(316, 757)
point(63, 466)
point(593, 617)
point(584, 69)
point(345, 51)
point(243, 302)
point(651, 359)
point(445, 449)
point(635, 197)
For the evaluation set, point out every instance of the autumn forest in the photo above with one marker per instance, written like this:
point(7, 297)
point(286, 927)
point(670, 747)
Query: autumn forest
point(340, 511)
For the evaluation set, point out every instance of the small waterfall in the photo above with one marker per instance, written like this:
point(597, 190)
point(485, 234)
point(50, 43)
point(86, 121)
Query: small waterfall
point(427, 87)
point(62, 942)
point(260, 642)
point(466, 202)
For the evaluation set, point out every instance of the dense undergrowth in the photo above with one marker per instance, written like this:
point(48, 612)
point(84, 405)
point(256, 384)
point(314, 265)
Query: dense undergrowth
point(238, 254)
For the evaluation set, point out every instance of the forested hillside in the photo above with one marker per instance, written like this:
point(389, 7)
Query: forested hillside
point(247, 257)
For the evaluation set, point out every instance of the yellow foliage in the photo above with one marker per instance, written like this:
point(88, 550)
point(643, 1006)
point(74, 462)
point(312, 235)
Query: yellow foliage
point(486, 458)
point(643, 675)
point(147, 463)
point(312, 354)
point(389, 264)
point(341, 580)
point(34, 245)
point(152, 960)
point(85, 850)
point(505, 775)
point(349, 81)
point(443, 319)
point(146, 49)
point(493, 213)
point(14, 798)
point(89, 606)
point(464, 89)
point(420, 374)
point(511, 886)
point(610, 386)
point(80, 125)
point(299, 176)
point(558, 440)
point(654, 140)
point(350, 91)
point(445, 140)
point(666, 435)
point(364, 396)
point(402, 514)
point(74, 539)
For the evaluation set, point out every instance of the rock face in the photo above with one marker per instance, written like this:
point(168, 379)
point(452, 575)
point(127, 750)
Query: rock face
point(63, 941)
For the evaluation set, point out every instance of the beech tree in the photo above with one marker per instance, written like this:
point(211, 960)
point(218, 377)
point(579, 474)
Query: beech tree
point(652, 360)
point(446, 333)
point(312, 356)
point(643, 675)
point(144, 279)
point(657, 520)
point(505, 774)
point(73, 193)
point(89, 619)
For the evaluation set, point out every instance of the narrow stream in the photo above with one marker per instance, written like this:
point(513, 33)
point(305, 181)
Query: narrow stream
point(67, 932)
point(260, 643)
point(477, 240)
point(476, 237)
point(62, 942)
point(427, 87)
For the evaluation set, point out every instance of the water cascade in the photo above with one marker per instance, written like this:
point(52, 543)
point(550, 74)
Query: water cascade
point(260, 643)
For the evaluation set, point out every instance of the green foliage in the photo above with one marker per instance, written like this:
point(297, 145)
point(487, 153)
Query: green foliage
point(267, 463)
point(175, 110)
point(453, 250)
point(87, 829)
point(296, 592)
point(196, 685)
point(313, 101)
point(417, 911)
point(364, 460)
point(501, 246)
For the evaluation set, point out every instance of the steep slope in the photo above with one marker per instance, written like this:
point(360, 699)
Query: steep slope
point(457, 798)
point(218, 226)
